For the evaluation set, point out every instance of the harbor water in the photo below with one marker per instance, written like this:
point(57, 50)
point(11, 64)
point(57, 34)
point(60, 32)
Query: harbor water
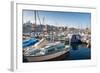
point(78, 54)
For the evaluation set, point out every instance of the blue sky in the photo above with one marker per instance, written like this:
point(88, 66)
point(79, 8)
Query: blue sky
point(71, 19)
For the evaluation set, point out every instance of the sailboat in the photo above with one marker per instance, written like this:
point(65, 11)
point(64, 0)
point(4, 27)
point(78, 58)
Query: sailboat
point(43, 50)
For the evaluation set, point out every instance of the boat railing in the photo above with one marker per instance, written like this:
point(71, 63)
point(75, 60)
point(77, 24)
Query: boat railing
point(41, 52)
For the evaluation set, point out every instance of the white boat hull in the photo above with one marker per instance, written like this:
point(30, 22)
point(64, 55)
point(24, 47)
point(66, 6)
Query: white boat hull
point(46, 57)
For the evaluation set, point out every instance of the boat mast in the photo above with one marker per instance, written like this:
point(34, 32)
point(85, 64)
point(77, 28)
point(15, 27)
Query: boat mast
point(35, 19)
point(35, 22)
point(43, 20)
point(38, 17)
point(35, 16)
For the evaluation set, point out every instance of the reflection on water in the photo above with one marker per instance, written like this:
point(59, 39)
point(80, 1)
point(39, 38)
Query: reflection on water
point(74, 46)
point(78, 53)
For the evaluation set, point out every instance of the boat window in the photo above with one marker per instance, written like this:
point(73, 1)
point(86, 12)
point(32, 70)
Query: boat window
point(50, 50)
point(35, 52)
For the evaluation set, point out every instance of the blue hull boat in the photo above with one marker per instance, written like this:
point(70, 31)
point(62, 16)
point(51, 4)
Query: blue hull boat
point(29, 42)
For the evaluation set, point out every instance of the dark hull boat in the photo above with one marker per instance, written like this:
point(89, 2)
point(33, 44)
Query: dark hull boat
point(76, 39)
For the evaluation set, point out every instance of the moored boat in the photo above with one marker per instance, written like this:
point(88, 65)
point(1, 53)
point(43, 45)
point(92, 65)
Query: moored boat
point(49, 52)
